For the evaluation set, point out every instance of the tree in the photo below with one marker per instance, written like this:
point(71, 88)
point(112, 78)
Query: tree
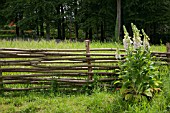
point(146, 14)
point(96, 18)
point(118, 20)
point(2, 17)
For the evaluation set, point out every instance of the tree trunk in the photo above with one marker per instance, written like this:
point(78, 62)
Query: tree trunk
point(17, 28)
point(76, 24)
point(42, 28)
point(41, 23)
point(76, 30)
point(17, 31)
point(47, 30)
point(63, 23)
point(118, 17)
point(59, 23)
point(20, 18)
point(97, 32)
point(38, 33)
point(86, 35)
point(148, 29)
point(102, 32)
point(90, 34)
point(37, 26)
point(154, 28)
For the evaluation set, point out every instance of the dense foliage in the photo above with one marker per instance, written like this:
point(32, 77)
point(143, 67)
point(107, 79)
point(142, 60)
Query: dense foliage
point(93, 19)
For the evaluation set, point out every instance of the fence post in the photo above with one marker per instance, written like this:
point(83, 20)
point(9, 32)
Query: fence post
point(87, 43)
point(1, 82)
point(168, 51)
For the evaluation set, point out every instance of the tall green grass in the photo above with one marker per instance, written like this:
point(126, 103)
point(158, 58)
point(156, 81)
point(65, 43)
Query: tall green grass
point(52, 44)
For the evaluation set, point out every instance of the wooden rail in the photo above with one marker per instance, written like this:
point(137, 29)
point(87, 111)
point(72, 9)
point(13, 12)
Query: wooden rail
point(30, 69)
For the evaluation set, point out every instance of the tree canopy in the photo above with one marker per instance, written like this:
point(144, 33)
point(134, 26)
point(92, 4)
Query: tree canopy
point(90, 19)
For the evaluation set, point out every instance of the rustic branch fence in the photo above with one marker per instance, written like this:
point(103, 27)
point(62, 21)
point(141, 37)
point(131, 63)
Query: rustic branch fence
point(30, 69)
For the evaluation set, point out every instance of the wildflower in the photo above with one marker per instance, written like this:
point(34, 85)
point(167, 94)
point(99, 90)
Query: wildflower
point(126, 41)
point(137, 42)
point(145, 40)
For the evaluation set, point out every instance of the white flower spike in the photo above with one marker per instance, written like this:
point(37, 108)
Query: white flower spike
point(137, 42)
point(127, 39)
point(146, 39)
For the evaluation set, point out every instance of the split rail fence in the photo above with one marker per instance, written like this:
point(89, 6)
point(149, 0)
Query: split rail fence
point(69, 69)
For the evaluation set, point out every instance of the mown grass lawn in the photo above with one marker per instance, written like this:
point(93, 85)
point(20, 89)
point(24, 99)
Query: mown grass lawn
point(97, 102)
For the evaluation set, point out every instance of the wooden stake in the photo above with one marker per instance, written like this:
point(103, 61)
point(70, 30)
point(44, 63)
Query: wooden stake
point(1, 81)
point(168, 51)
point(87, 43)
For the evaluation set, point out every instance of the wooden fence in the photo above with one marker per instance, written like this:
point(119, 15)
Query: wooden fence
point(63, 69)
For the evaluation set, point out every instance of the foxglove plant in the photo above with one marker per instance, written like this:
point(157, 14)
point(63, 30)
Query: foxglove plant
point(138, 72)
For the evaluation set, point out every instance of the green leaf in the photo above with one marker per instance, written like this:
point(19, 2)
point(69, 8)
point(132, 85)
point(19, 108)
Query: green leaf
point(116, 82)
point(157, 83)
point(128, 96)
point(148, 92)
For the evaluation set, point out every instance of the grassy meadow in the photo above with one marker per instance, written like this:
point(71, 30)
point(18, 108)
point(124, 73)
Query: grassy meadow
point(52, 44)
point(97, 102)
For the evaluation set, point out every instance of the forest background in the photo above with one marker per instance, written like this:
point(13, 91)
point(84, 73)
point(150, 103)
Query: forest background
point(84, 19)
